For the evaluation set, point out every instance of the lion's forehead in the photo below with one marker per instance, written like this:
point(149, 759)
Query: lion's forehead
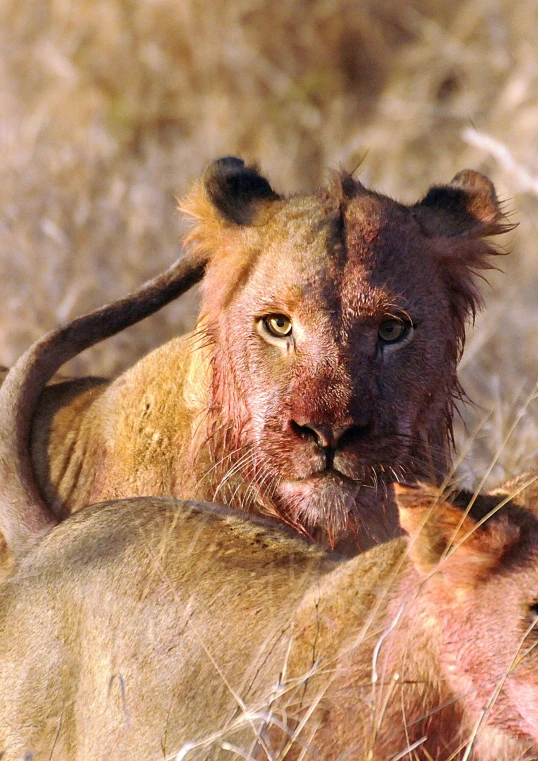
point(316, 217)
point(312, 243)
point(368, 269)
point(313, 292)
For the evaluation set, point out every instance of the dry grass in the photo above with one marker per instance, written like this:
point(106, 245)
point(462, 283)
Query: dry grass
point(110, 107)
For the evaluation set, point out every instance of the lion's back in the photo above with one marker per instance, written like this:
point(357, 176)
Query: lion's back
point(172, 584)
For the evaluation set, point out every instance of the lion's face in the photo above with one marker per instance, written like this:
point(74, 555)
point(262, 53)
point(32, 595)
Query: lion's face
point(335, 335)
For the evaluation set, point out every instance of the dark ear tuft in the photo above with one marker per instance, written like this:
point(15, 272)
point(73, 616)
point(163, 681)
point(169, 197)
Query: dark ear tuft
point(235, 189)
point(466, 207)
point(457, 217)
point(349, 186)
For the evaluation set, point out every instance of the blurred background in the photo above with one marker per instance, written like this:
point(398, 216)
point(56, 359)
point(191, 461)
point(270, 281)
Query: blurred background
point(109, 108)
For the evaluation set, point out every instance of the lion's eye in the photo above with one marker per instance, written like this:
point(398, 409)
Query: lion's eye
point(278, 325)
point(393, 330)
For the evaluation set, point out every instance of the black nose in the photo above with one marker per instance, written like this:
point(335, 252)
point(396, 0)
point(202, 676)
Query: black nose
point(326, 436)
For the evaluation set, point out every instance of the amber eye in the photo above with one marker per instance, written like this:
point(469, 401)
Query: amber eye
point(278, 325)
point(393, 330)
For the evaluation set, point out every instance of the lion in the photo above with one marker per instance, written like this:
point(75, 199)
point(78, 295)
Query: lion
point(322, 367)
point(153, 628)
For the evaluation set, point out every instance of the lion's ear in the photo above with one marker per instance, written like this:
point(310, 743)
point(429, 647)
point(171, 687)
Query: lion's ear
point(444, 538)
point(227, 198)
point(467, 207)
point(456, 218)
point(236, 190)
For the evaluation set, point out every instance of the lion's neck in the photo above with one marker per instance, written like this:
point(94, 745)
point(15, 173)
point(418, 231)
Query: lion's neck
point(124, 438)
point(159, 411)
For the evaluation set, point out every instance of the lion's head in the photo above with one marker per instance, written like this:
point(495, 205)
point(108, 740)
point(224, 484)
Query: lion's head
point(333, 323)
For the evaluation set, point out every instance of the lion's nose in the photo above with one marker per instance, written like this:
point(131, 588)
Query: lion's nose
point(325, 436)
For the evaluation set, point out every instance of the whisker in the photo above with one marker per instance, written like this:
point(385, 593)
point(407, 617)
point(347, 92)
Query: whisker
point(244, 460)
point(216, 465)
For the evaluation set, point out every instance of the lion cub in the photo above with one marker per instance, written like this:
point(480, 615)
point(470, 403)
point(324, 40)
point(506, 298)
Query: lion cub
point(150, 628)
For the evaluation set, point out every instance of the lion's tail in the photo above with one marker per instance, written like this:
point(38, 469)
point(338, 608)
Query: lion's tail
point(24, 516)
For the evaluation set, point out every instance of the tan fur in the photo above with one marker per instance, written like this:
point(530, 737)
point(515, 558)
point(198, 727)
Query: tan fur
point(312, 428)
point(150, 628)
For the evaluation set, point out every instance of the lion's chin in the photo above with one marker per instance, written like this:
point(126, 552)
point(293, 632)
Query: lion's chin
point(324, 500)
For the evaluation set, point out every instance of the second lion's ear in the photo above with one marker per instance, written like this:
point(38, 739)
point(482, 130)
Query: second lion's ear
point(445, 538)
point(236, 190)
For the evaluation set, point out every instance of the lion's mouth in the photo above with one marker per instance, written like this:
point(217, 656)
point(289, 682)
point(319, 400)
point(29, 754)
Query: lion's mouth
point(330, 476)
point(323, 479)
point(327, 504)
point(325, 493)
